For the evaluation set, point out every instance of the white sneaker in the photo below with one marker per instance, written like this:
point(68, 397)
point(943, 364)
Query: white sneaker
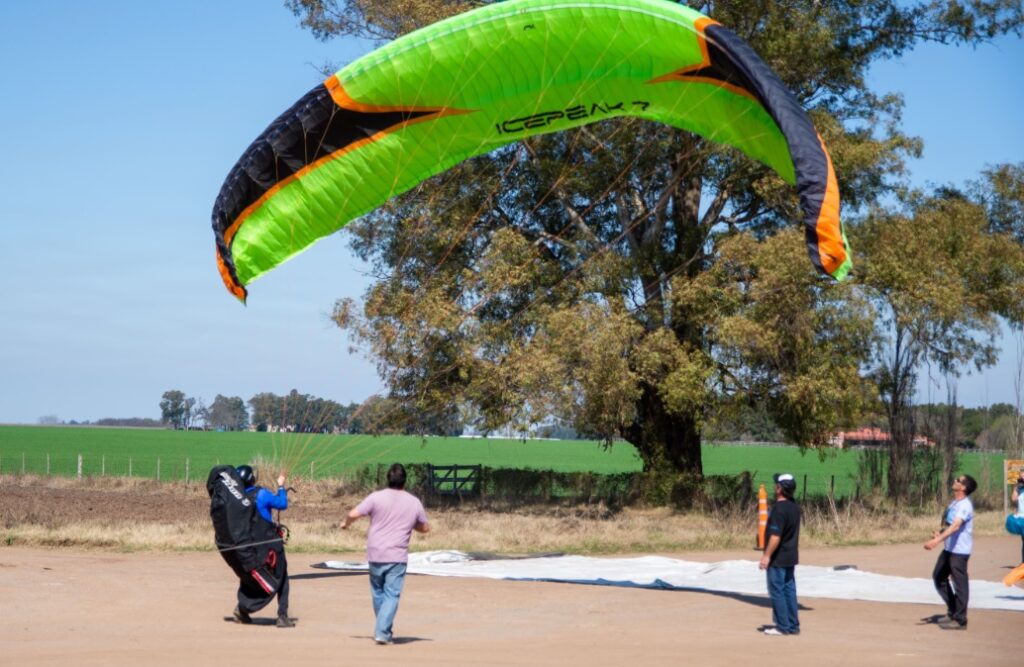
point(773, 632)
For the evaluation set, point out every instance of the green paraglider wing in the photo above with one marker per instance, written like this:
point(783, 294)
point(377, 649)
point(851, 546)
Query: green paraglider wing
point(470, 84)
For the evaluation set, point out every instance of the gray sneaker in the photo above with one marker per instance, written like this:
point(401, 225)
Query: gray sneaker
point(952, 624)
point(285, 622)
point(382, 641)
point(241, 616)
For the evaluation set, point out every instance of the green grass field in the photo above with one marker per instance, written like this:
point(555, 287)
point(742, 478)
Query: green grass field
point(838, 467)
point(110, 449)
point(139, 452)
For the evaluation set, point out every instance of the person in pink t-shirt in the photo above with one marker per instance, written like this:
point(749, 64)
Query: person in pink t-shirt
point(394, 513)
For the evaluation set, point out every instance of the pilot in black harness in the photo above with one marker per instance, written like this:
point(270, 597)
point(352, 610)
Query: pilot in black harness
point(249, 540)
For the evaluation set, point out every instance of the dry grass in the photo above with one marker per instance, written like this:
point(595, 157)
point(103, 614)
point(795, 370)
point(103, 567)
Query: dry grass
point(135, 515)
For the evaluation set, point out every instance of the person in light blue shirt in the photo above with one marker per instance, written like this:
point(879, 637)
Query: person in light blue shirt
point(957, 538)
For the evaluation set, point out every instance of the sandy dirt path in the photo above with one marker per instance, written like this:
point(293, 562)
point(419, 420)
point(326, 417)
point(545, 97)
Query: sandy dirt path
point(74, 607)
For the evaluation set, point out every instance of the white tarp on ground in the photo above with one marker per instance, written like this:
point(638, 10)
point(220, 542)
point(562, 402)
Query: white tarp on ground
point(732, 576)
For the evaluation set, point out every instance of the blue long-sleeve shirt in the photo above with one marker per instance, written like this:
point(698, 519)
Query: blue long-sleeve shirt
point(266, 501)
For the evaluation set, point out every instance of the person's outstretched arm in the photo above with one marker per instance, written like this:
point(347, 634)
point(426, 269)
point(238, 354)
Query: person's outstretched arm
point(350, 519)
point(939, 537)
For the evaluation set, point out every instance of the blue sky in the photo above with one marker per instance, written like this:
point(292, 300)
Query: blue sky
point(121, 120)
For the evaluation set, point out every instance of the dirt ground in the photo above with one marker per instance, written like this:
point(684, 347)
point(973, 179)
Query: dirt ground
point(71, 606)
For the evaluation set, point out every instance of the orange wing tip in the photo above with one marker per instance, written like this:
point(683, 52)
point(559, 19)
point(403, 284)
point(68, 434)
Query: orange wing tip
point(237, 290)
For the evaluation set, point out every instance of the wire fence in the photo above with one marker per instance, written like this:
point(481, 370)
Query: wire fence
point(494, 481)
point(160, 468)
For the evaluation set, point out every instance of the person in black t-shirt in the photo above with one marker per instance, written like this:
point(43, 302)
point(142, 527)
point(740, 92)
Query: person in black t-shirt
point(781, 554)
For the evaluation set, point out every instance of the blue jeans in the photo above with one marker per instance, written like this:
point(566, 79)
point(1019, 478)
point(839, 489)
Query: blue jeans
point(782, 590)
point(386, 582)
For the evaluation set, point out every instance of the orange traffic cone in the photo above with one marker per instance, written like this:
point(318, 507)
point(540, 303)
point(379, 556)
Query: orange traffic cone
point(762, 516)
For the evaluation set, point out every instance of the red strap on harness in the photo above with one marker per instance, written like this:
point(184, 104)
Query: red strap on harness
point(264, 584)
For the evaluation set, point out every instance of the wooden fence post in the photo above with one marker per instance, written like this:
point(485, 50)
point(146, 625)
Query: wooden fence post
point(47, 464)
point(79, 467)
point(186, 470)
point(129, 466)
point(158, 468)
point(23, 463)
point(103, 465)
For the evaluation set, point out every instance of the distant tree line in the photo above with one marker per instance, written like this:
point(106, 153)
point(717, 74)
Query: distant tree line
point(266, 411)
point(996, 427)
point(300, 413)
point(132, 422)
point(304, 413)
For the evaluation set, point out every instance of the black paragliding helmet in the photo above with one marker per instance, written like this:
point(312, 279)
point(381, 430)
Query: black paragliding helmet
point(248, 475)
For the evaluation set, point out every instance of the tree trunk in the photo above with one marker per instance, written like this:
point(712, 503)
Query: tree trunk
point(671, 442)
point(665, 441)
point(950, 438)
point(901, 451)
point(897, 389)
